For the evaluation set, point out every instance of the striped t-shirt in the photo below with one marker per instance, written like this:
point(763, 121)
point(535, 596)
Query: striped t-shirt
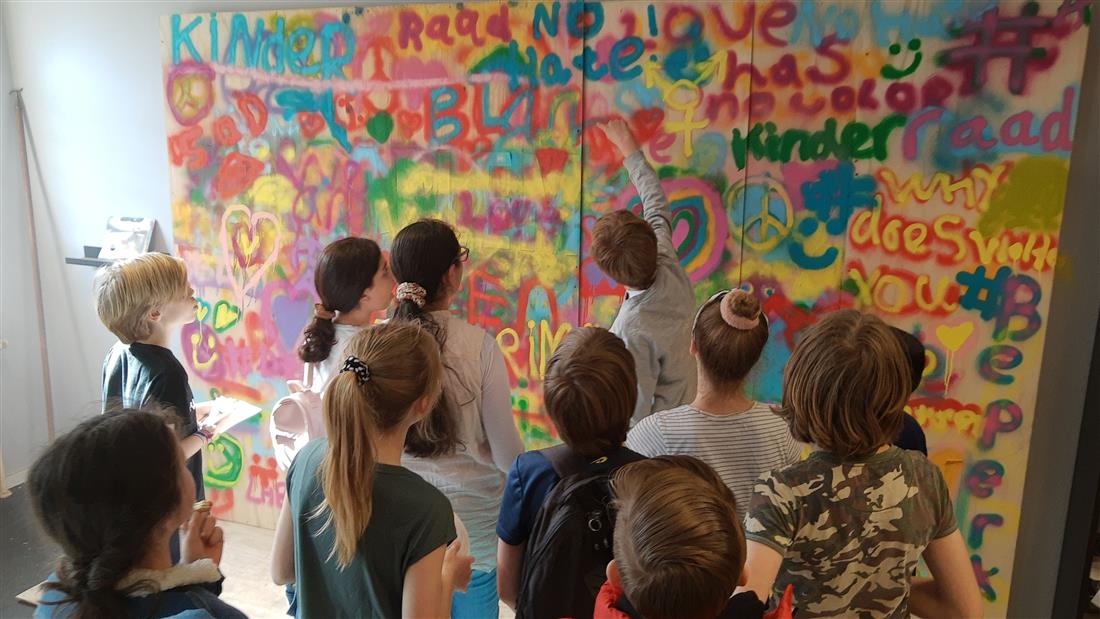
point(739, 447)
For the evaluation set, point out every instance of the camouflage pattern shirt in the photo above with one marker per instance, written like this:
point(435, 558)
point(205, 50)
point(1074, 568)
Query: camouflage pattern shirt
point(850, 532)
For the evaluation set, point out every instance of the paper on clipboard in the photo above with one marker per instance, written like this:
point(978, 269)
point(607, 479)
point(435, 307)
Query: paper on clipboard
point(228, 412)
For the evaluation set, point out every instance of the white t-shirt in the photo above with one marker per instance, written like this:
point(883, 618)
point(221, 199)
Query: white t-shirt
point(325, 370)
point(739, 447)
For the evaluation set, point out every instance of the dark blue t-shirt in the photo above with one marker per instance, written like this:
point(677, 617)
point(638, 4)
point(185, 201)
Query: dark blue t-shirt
point(912, 436)
point(530, 479)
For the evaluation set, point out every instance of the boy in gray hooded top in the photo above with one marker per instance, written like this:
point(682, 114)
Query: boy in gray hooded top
point(655, 317)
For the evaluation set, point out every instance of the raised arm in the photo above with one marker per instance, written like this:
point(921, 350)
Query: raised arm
point(655, 209)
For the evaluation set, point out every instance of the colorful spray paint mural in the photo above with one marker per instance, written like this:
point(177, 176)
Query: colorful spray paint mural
point(905, 158)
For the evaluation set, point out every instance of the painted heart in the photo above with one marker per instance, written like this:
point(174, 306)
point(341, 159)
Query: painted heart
point(245, 279)
point(202, 310)
point(646, 123)
point(409, 123)
point(225, 315)
point(380, 126)
point(311, 124)
point(954, 337)
point(551, 159)
point(236, 174)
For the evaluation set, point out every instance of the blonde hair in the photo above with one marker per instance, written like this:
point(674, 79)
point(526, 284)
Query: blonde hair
point(678, 544)
point(404, 366)
point(846, 384)
point(127, 290)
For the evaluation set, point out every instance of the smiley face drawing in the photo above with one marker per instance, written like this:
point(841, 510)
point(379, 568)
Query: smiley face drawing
point(891, 72)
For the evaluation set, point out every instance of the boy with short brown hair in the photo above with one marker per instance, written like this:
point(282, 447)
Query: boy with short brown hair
point(655, 318)
point(589, 391)
point(679, 547)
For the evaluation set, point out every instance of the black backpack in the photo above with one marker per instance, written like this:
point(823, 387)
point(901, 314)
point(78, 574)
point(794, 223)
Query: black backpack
point(565, 562)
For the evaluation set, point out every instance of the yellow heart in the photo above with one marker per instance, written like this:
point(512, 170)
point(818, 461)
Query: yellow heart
point(202, 311)
point(225, 316)
point(954, 337)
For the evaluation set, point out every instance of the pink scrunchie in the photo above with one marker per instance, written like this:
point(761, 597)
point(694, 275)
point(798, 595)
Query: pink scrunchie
point(737, 322)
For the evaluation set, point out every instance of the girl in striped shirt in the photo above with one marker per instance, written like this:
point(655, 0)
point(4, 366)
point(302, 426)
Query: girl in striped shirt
point(738, 437)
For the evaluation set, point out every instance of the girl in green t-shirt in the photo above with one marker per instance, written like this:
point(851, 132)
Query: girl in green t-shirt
point(359, 535)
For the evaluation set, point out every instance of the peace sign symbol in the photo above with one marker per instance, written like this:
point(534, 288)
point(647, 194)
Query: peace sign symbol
point(190, 93)
point(760, 209)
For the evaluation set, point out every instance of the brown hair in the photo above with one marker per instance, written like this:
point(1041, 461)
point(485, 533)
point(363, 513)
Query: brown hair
point(728, 352)
point(590, 390)
point(679, 545)
point(625, 247)
point(127, 290)
point(345, 269)
point(422, 253)
point(846, 384)
point(404, 366)
point(102, 491)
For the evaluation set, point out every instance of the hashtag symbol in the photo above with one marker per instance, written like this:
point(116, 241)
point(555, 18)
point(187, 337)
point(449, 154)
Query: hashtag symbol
point(982, 293)
point(997, 38)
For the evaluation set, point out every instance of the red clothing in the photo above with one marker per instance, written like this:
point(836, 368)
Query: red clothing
point(612, 604)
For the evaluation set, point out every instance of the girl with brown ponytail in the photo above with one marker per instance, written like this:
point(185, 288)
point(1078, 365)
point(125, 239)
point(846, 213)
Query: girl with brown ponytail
point(359, 535)
point(738, 437)
point(353, 282)
point(468, 441)
point(111, 493)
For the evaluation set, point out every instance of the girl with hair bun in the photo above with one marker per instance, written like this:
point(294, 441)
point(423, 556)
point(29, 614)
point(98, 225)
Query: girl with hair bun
point(738, 437)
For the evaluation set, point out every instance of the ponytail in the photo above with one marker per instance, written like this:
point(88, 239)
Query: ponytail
point(344, 270)
point(420, 257)
point(347, 472)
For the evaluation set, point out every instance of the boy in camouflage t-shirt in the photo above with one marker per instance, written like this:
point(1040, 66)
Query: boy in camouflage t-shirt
point(846, 526)
point(851, 532)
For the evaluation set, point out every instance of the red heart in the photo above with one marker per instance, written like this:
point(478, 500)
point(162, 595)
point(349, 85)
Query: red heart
point(646, 123)
point(409, 123)
point(551, 159)
point(236, 174)
point(311, 123)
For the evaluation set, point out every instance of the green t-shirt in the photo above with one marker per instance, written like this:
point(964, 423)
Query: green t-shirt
point(409, 519)
point(850, 532)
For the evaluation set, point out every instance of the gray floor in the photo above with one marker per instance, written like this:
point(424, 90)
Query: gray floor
point(26, 554)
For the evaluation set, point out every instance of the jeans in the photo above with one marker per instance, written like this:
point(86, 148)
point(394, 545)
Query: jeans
point(480, 600)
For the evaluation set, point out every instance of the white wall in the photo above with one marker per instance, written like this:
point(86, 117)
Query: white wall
point(91, 78)
point(22, 401)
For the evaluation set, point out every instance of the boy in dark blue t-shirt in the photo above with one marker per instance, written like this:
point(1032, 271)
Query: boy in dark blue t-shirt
point(590, 393)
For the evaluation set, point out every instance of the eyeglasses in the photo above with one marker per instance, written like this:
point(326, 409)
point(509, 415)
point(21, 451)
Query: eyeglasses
point(463, 254)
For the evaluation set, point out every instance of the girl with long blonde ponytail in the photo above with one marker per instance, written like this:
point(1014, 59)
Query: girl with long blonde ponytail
point(358, 534)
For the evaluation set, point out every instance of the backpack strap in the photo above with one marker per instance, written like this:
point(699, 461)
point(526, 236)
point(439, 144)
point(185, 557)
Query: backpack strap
point(567, 462)
point(307, 376)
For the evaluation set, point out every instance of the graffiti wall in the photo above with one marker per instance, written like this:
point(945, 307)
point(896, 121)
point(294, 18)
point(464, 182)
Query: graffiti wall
point(908, 158)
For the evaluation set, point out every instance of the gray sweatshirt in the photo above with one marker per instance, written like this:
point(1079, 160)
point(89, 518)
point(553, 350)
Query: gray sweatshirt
point(655, 323)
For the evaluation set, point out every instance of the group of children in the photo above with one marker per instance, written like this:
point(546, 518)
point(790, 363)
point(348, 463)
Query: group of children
point(673, 494)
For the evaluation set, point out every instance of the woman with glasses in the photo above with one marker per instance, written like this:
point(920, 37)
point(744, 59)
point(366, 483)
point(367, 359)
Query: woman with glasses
point(467, 443)
point(738, 437)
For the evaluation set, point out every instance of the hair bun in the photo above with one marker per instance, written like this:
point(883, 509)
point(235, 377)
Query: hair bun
point(740, 309)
